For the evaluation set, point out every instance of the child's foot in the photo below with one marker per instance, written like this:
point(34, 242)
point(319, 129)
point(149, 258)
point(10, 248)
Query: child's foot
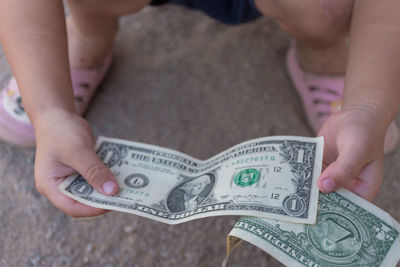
point(322, 95)
point(88, 51)
point(15, 126)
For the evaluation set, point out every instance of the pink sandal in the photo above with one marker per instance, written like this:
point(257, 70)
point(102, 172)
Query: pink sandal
point(15, 126)
point(322, 95)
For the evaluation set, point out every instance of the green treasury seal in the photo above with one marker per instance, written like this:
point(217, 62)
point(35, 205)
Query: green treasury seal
point(247, 177)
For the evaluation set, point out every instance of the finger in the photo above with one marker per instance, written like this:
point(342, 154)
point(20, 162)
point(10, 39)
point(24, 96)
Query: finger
point(369, 180)
point(88, 164)
point(341, 172)
point(71, 206)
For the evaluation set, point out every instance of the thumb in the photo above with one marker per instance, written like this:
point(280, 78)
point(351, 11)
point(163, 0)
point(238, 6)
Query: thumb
point(88, 164)
point(341, 172)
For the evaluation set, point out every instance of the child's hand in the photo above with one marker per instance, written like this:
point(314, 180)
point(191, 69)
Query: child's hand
point(353, 152)
point(65, 146)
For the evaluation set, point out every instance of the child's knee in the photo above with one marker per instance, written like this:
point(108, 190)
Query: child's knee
point(318, 21)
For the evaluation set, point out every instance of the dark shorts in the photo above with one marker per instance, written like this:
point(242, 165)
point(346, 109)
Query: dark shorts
point(227, 11)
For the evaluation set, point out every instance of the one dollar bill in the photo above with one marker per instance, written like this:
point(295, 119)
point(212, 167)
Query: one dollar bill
point(349, 231)
point(270, 177)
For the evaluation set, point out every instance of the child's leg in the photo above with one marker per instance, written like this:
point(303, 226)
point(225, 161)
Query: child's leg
point(320, 28)
point(92, 26)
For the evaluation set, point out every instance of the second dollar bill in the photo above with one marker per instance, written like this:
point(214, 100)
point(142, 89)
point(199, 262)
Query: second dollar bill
point(270, 177)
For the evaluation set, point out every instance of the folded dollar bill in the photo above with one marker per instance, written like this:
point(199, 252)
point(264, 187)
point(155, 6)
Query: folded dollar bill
point(349, 231)
point(270, 177)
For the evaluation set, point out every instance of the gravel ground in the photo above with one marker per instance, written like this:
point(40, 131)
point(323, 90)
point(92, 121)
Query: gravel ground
point(179, 80)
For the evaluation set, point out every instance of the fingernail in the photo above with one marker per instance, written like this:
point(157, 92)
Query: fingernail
point(109, 187)
point(328, 184)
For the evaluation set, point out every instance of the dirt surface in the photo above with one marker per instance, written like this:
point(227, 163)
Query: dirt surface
point(179, 80)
